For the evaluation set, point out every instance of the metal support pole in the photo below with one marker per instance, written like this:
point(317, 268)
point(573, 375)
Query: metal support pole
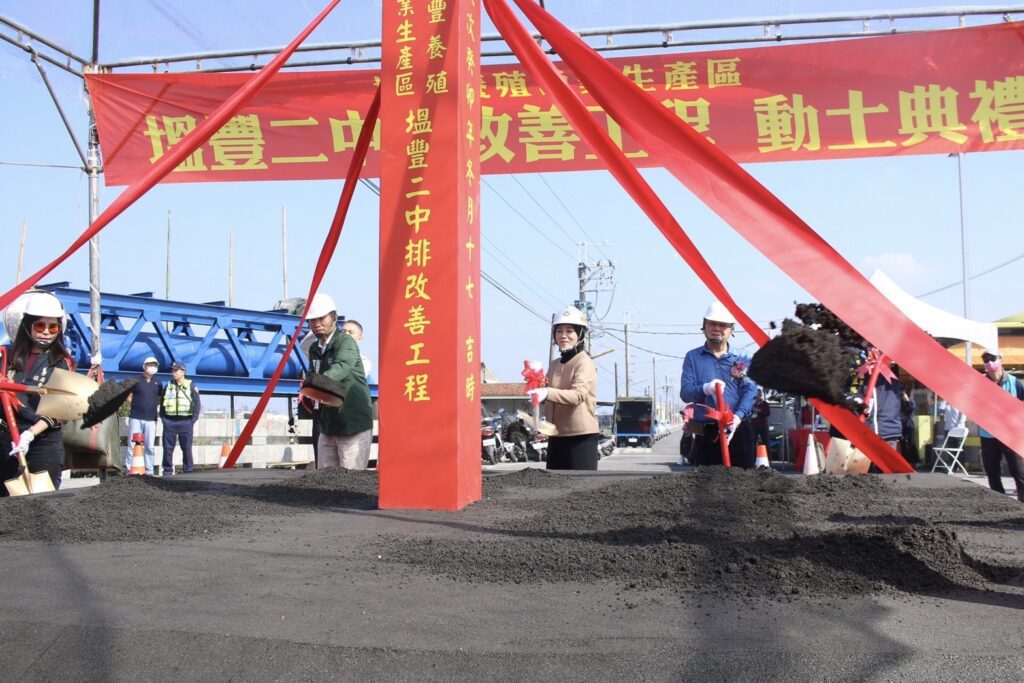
point(21, 248)
point(284, 249)
point(167, 278)
point(964, 253)
point(231, 262)
point(625, 328)
point(93, 166)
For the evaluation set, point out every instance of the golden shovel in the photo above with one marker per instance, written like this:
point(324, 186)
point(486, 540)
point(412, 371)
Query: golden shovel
point(29, 482)
point(64, 397)
point(544, 427)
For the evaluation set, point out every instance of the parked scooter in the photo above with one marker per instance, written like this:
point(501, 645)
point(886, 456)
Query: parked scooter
point(489, 448)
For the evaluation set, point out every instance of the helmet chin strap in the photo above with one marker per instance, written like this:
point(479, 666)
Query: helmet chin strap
point(44, 345)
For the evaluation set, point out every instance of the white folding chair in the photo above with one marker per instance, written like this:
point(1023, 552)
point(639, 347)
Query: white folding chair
point(948, 454)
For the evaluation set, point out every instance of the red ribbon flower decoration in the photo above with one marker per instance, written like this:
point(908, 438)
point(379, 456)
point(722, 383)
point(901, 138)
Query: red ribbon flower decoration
point(877, 363)
point(533, 373)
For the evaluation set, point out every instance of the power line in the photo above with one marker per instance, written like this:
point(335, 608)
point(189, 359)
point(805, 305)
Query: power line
point(507, 292)
point(490, 280)
point(31, 165)
point(496, 253)
point(541, 207)
point(572, 216)
point(973, 277)
point(527, 220)
point(640, 348)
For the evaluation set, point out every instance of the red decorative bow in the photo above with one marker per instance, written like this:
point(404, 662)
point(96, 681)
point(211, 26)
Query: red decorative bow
point(533, 373)
point(723, 416)
point(877, 363)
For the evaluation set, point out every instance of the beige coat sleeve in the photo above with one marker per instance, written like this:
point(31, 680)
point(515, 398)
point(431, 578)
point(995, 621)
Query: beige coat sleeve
point(581, 384)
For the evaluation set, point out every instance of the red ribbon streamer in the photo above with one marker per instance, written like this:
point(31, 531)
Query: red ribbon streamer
point(787, 241)
point(531, 56)
point(330, 243)
point(174, 156)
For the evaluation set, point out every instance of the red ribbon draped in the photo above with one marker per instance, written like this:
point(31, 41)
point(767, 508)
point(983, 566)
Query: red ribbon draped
point(534, 60)
point(330, 243)
point(771, 227)
point(174, 156)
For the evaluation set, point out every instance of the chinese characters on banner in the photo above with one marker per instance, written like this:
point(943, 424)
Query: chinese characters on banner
point(955, 90)
point(429, 261)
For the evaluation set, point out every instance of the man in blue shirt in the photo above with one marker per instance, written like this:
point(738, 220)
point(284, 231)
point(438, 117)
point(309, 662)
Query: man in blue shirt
point(703, 368)
point(145, 399)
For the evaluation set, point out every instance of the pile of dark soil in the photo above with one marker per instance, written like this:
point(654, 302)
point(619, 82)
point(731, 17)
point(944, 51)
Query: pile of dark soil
point(149, 508)
point(735, 532)
point(751, 533)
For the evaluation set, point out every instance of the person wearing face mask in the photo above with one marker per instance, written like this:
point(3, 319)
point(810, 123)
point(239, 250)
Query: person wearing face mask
point(994, 451)
point(37, 349)
point(145, 400)
point(709, 365)
point(570, 398)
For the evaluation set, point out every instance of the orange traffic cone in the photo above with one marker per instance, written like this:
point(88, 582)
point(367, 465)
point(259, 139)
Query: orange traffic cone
point(811, 465)
point(225, 451)
point(762, 457)
point(138, 461)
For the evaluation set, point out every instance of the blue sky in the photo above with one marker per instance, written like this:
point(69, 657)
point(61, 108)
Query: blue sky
point(898, 214)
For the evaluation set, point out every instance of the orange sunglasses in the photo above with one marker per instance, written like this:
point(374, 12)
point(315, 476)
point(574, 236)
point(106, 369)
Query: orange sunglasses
point(39, 327)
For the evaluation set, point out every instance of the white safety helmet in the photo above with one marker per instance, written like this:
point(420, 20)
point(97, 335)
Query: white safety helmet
point(571, 316)
point(38, 303)
point(150, 360)
point(15, 312)
point(319, 306)
point(719, 314)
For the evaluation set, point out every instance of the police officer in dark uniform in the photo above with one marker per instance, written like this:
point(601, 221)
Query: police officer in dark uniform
point(179, 411)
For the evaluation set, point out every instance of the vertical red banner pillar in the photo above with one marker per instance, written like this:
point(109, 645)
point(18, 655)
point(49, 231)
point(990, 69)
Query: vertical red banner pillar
point(430, 255)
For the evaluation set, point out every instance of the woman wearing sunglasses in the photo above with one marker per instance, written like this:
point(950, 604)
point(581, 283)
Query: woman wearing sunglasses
point(37, 349)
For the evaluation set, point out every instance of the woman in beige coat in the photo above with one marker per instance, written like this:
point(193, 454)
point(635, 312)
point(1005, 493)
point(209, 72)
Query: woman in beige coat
point(570, 398)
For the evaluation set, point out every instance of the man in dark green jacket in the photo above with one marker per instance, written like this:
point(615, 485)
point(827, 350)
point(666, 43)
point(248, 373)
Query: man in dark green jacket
point(346, 431)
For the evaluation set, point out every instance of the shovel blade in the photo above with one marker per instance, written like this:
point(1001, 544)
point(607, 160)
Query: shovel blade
point(17, 486)
point(40, 482)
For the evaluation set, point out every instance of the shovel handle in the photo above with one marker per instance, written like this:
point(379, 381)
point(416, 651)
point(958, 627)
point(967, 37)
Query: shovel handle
point(21, 388)
point(724, 421)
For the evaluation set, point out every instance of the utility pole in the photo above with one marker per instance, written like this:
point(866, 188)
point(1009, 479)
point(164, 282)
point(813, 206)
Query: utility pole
point(616, 379)
point(668, 400)
point(21, 248)
point(586, 273)
point(625, 330)
point(964, 258)
point(551, 341)
point(231, 262)
point(93, 168)
point(654, 385)
point(167, 281)
point(284, 248)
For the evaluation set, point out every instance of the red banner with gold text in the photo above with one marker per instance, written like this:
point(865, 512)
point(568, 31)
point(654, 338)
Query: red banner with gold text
point(955, 90)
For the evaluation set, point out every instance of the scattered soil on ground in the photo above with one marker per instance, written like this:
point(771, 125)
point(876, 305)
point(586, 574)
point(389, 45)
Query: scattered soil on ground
point(731, 532)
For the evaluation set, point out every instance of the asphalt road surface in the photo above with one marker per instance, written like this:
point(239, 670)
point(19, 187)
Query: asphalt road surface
point(301, 587)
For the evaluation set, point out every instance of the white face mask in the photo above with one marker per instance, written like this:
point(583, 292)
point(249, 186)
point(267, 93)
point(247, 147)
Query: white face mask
point(150, 370)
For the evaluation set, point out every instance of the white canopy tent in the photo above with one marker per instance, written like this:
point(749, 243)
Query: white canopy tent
point(935, 321)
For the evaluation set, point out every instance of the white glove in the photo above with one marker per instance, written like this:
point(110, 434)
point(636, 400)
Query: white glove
point(733, 426)
point(96, 359)
point(23, 443)
point(541, 394)
point(709, 387)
